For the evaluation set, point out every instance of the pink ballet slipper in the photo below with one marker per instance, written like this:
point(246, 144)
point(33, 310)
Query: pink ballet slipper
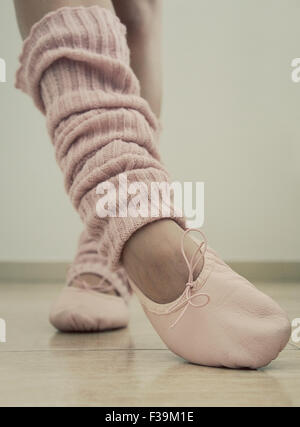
point(88, 309)
point(84, 307)
point(221, 319)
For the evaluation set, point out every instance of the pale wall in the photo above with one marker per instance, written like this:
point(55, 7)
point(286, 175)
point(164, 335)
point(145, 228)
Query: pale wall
point(231, 119)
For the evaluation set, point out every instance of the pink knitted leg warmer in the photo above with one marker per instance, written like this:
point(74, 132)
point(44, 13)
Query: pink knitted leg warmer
point(88, 260)
point(75, 65)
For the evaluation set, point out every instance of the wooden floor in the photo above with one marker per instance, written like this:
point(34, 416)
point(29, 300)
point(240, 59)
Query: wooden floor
point(131, 367)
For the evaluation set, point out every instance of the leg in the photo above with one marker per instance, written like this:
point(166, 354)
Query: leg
point(145, 47)
point(31, 11)
point(143, 20)
point(81, 309)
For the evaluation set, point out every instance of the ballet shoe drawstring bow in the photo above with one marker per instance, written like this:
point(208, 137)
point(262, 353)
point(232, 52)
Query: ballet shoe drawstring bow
point(187, 297)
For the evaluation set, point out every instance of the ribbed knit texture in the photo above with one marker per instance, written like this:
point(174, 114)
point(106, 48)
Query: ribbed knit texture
point(75, 66)
point(88, 260)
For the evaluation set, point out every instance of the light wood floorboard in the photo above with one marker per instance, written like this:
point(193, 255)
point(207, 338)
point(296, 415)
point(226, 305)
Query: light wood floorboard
point(130, 367)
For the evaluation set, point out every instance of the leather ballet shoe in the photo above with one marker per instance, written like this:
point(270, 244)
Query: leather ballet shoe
point(82, 307)
point(221, 319)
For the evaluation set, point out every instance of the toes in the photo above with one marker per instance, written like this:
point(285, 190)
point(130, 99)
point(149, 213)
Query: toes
point(80, 311)
point(262, 332)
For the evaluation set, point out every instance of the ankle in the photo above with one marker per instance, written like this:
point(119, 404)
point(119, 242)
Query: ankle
point(153, 260)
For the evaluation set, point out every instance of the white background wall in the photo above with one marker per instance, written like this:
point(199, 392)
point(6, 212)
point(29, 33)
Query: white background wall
point(231, 119)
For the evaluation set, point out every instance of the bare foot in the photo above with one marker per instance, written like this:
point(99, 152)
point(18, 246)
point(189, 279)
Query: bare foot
point(153, 260)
